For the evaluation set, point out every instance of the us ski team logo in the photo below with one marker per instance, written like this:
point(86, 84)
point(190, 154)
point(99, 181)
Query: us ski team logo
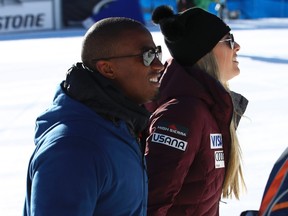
point(216, 141)
point(169, 141)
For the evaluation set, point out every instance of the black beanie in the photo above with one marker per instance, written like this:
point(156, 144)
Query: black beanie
point(191, 34)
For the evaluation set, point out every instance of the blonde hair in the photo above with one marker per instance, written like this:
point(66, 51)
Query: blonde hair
point(234, 179)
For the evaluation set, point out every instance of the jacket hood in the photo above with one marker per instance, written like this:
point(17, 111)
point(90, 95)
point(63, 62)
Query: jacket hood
point(62, 110)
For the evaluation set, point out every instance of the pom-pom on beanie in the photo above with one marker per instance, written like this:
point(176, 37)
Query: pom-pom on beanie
point(191, 34)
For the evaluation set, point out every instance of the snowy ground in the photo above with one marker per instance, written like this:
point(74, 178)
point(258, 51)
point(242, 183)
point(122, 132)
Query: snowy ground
point(31, 68)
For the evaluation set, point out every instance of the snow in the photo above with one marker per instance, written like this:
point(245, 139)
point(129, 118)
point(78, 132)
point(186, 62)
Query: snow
point(32, 64)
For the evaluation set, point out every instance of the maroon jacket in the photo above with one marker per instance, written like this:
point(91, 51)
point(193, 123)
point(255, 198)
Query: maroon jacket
point(188, 144)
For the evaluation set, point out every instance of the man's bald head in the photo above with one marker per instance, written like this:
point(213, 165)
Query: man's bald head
point(102, 38)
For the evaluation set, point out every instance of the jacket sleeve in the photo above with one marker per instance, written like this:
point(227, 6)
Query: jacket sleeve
point(275, 197)
point(65, 180)
point(172, 145)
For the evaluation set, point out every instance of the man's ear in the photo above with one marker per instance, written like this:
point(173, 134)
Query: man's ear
point(104, 67)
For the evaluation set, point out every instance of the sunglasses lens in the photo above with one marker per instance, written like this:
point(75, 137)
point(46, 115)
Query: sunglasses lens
point(232, 42)
point(150, 55)
point(159, 53)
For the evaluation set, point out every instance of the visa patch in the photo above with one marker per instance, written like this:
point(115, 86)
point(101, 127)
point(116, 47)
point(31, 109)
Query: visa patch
point(216, 141)
point(169, 141)
point(219, 159)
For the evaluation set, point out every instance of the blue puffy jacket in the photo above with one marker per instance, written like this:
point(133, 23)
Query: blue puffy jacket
point(84, 164)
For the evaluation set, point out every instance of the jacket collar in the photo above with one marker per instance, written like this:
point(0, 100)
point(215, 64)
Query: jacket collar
point(97, 92)
point(197, 83)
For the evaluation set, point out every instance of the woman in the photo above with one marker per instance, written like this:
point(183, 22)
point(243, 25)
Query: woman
point(193, 155)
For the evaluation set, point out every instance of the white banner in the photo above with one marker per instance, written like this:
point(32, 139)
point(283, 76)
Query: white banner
point(27, 16)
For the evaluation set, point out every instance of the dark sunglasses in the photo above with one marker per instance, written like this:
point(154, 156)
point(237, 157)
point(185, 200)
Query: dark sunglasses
point(148, 56)
point(230, 39)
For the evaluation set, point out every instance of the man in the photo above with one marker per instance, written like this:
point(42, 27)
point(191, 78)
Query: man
point(88, 160)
